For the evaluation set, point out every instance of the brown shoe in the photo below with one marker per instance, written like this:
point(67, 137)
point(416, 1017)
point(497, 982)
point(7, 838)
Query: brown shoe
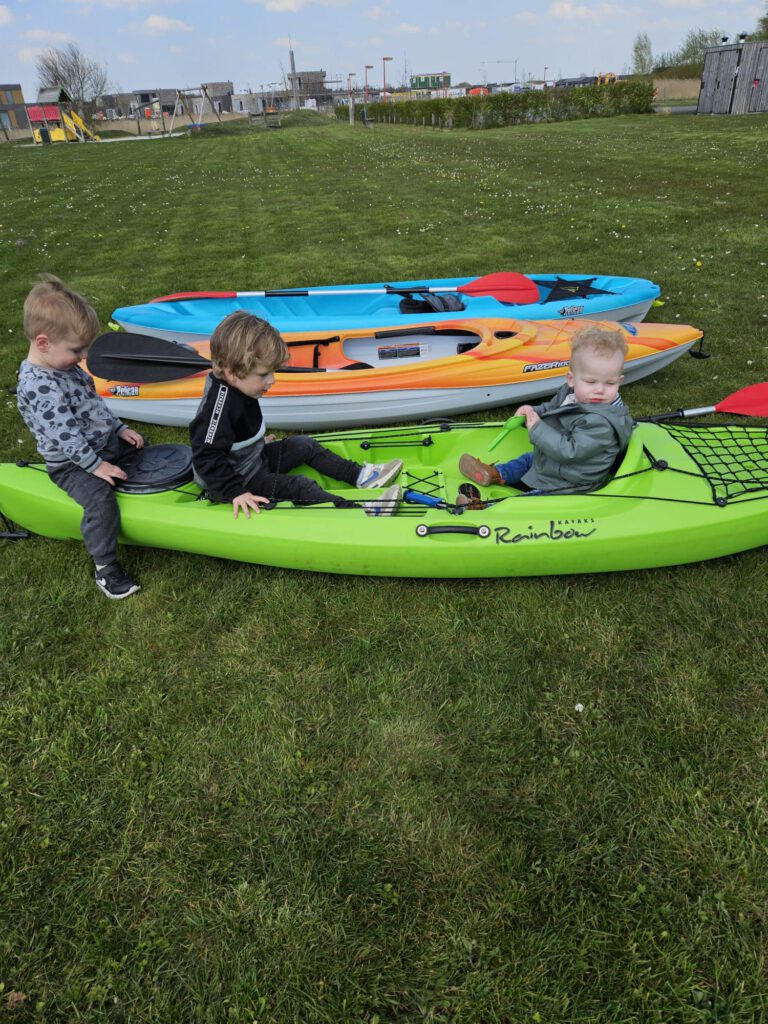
point(478, 471)
point(469, 500)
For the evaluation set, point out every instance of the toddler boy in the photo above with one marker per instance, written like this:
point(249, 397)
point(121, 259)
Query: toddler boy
point(76, 435)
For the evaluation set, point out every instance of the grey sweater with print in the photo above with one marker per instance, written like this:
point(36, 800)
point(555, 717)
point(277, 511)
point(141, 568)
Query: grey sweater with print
point(68, 420)
point(575, 445)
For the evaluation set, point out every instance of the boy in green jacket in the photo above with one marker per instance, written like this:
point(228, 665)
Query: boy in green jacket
point(577, 435)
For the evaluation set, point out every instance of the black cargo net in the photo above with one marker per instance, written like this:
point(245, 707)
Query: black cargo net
point(733, 459)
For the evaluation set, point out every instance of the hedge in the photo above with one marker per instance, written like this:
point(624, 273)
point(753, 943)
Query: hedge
point(633, 96)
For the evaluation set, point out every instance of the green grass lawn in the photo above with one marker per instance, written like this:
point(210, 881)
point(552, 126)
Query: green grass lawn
point(252, 794)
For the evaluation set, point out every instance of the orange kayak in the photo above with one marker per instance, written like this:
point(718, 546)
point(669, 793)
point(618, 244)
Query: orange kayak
point(365, 376)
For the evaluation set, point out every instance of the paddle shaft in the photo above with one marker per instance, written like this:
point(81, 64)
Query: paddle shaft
point(386, 290)
point(678, 414)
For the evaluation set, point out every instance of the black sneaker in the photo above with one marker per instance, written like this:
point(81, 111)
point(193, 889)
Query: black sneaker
point(115, 582)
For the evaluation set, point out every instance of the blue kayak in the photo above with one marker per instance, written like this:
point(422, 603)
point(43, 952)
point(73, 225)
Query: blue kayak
point(192, 316)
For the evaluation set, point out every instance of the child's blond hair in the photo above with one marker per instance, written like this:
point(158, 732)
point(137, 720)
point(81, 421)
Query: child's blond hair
point(242, 342)
point(604, 341)
point(54, 310)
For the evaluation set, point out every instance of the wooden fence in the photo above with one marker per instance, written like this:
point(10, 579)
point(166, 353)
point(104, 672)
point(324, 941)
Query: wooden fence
point(735, 79)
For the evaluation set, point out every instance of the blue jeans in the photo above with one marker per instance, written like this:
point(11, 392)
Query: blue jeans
point(512, 472)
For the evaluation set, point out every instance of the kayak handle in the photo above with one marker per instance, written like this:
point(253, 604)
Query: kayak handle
point(422, 530)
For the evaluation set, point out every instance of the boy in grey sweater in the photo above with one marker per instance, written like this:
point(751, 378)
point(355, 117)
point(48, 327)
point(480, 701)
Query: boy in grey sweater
point(76, 435)
point(578, 434)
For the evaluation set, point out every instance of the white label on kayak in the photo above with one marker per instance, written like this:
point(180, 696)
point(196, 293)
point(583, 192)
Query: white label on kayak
point(536, 367)
point(406, 351)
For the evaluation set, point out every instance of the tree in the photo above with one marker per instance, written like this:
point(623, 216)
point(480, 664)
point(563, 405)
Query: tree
point(81, 77)
point(642, 57)
point(692, 50)
point(761, 32)
point(694, 45)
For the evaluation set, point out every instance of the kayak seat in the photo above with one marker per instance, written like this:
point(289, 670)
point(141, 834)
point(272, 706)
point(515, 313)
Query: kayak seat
point(155, 468)
point(356, 366)
point(314, 349)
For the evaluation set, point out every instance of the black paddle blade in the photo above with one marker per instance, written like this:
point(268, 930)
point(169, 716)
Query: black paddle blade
point(139, 359)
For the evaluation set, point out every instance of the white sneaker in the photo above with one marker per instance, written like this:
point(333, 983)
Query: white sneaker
point(387, 504)
point(379, 474)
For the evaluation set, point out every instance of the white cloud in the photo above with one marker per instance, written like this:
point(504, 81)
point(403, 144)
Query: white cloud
point(46, 38)
point(129, 5)
point(569, 11)
point(6, 15)
point(281, 6)
point(566, 10)
point(156, 24)
point(405, 27)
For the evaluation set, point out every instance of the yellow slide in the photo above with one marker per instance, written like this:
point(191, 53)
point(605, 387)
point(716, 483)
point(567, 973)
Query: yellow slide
point(77, 126)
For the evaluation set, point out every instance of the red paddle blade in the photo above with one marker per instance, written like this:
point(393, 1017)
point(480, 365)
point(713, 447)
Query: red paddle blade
point(506, 287)
point(749, 401)
point(194, 295)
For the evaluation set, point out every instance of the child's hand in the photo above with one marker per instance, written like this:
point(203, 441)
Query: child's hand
point(270, 438)
point(106, 471)
point(523, 410)
point(246, 502)
point(132, 437)
point(531, 417)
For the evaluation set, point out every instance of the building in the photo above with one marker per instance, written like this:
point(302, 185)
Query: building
point(152, 101)
point(220, 95)
point(247, 102)
point(311, 86)
point(434, 80)
point(13, 112)
point(115, 104)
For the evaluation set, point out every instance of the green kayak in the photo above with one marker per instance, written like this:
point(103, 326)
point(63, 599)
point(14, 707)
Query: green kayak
point(682, 493)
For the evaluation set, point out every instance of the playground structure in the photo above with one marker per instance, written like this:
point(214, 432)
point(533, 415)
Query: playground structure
point(53, 119)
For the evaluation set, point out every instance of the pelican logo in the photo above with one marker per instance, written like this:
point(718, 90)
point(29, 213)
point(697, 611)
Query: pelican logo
point(125, 391)
point(570, 310)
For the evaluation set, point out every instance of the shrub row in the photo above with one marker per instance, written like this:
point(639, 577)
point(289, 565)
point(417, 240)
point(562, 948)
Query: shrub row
point(633, 96)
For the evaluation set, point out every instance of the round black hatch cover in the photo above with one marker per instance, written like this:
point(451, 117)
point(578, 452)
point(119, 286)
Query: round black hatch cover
point(158, 467)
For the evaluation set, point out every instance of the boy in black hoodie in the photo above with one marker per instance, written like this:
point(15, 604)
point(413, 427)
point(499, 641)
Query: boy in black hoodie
point(232, 458)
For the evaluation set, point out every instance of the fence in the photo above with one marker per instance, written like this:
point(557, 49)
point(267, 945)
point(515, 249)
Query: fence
point(735, 79)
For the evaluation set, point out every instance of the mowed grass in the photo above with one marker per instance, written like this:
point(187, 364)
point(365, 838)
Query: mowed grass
point(251, 794)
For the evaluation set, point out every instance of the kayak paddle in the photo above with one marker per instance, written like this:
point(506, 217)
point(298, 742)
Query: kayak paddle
point(502, 285)
point(749, 401)
point(141, 359)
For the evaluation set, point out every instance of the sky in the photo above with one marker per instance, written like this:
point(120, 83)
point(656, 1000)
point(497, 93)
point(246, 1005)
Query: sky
point(150, 44)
